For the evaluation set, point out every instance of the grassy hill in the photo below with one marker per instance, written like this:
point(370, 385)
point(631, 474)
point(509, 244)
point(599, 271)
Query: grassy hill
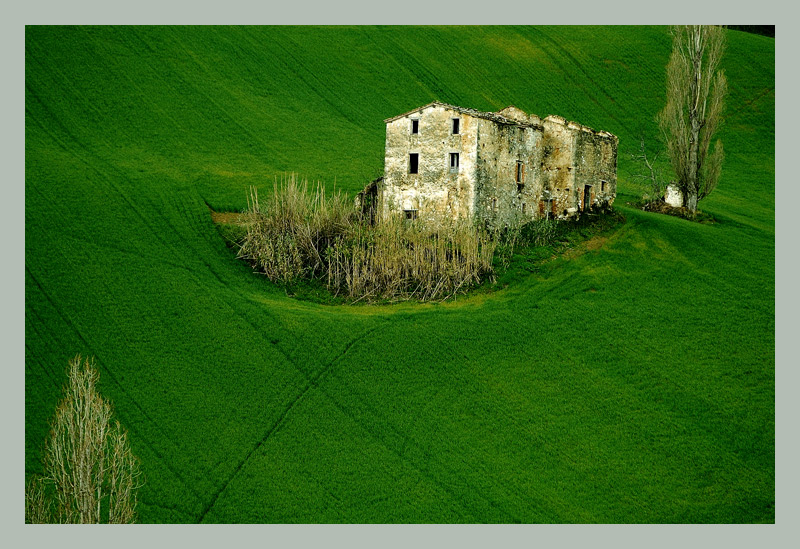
point(633, 382)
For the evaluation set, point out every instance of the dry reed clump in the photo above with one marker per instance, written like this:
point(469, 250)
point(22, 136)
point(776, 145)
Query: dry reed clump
point(308, 235)
point(288, 238)
point(400, 260)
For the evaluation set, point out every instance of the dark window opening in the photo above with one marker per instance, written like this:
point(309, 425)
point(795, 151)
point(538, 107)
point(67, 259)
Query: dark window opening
point(410, 214)
point(453, 162)
point(520, 186)
point(587, 197)
point(415, 126)
point(602, 186)
point(413, 163)
point(520, 172)
point(456, 125)
point(494, 204)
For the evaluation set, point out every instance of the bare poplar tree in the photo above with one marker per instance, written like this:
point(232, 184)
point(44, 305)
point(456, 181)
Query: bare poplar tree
point(696, 89)
point(91, 476)
point(37, 503)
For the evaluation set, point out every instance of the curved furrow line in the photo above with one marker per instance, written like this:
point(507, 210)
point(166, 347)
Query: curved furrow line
point(745, 106)
point(595, 83)
point(568, 73)
point(246, 130)
point(313, 83)
point(311, 382)
point(48, 369)
point(122, 389)
point(94, 167)
point(379, 436)
point(112, 170)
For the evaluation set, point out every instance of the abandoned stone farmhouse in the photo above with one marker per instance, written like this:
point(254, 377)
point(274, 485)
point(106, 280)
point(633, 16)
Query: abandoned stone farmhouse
point(496, 167)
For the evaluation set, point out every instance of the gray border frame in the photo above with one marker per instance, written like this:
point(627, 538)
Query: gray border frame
point(782, 534)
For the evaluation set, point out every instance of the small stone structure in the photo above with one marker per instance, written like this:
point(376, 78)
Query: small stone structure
point(673, 196)
point(497, 167)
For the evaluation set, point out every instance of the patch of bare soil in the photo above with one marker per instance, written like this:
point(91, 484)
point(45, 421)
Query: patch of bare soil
point(229, 218)
point(591, 245)
point(659, 206)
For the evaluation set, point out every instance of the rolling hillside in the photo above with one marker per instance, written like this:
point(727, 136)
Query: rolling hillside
point(634, 382)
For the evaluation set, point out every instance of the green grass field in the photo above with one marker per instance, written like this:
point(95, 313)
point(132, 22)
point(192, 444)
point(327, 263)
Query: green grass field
point(632, 382)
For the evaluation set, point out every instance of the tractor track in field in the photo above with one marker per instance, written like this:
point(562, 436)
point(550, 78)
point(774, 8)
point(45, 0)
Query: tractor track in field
point(574, 61)
point(93, 166)
point(107, 176)
point(111, 170)
point(312, 382)
point(378, 433)
point(744, 107)
point(424, 472)
point(122, 389)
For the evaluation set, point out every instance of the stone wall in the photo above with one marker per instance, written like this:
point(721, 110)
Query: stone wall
point(595, 167)
point(557, 164)
point(499, 198)
point(435, 188)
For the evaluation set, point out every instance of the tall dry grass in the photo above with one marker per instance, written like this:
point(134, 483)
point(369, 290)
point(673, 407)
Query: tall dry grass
point(396, 259)
point(287, 237)
point(302, 234)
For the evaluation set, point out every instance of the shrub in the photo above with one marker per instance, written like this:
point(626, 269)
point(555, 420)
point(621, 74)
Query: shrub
point(419, 260)
point(300, 235)
point(288, 238)
point(311, 235)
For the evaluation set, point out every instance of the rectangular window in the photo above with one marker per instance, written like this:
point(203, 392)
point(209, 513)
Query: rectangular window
point(520, 172)
point(415, 126)
point(410, 214)
point(413, 163)
point(520, 186)
point(602, 186)
point(453, 162)
point(456, 126)
point(494, 204)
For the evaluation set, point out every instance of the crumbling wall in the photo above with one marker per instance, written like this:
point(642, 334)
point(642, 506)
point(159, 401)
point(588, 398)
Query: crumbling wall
point(595, 167)
point(499, 198)
point(436, 189)
point(559, 195)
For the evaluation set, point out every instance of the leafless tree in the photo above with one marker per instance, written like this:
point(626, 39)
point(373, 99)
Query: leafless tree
point(696, 89)
point(90, 472)
point(654, 177)
point(37, 503)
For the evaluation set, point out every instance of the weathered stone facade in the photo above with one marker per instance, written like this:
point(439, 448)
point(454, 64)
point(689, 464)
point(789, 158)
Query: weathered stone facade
point(496, 167)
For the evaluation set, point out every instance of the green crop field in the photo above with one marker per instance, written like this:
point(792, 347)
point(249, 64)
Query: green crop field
point(632, 380)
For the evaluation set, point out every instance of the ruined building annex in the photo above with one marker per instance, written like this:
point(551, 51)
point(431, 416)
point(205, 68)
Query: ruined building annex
point(497, 167)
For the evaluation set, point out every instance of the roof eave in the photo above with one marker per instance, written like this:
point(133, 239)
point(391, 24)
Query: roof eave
point(494, 117)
